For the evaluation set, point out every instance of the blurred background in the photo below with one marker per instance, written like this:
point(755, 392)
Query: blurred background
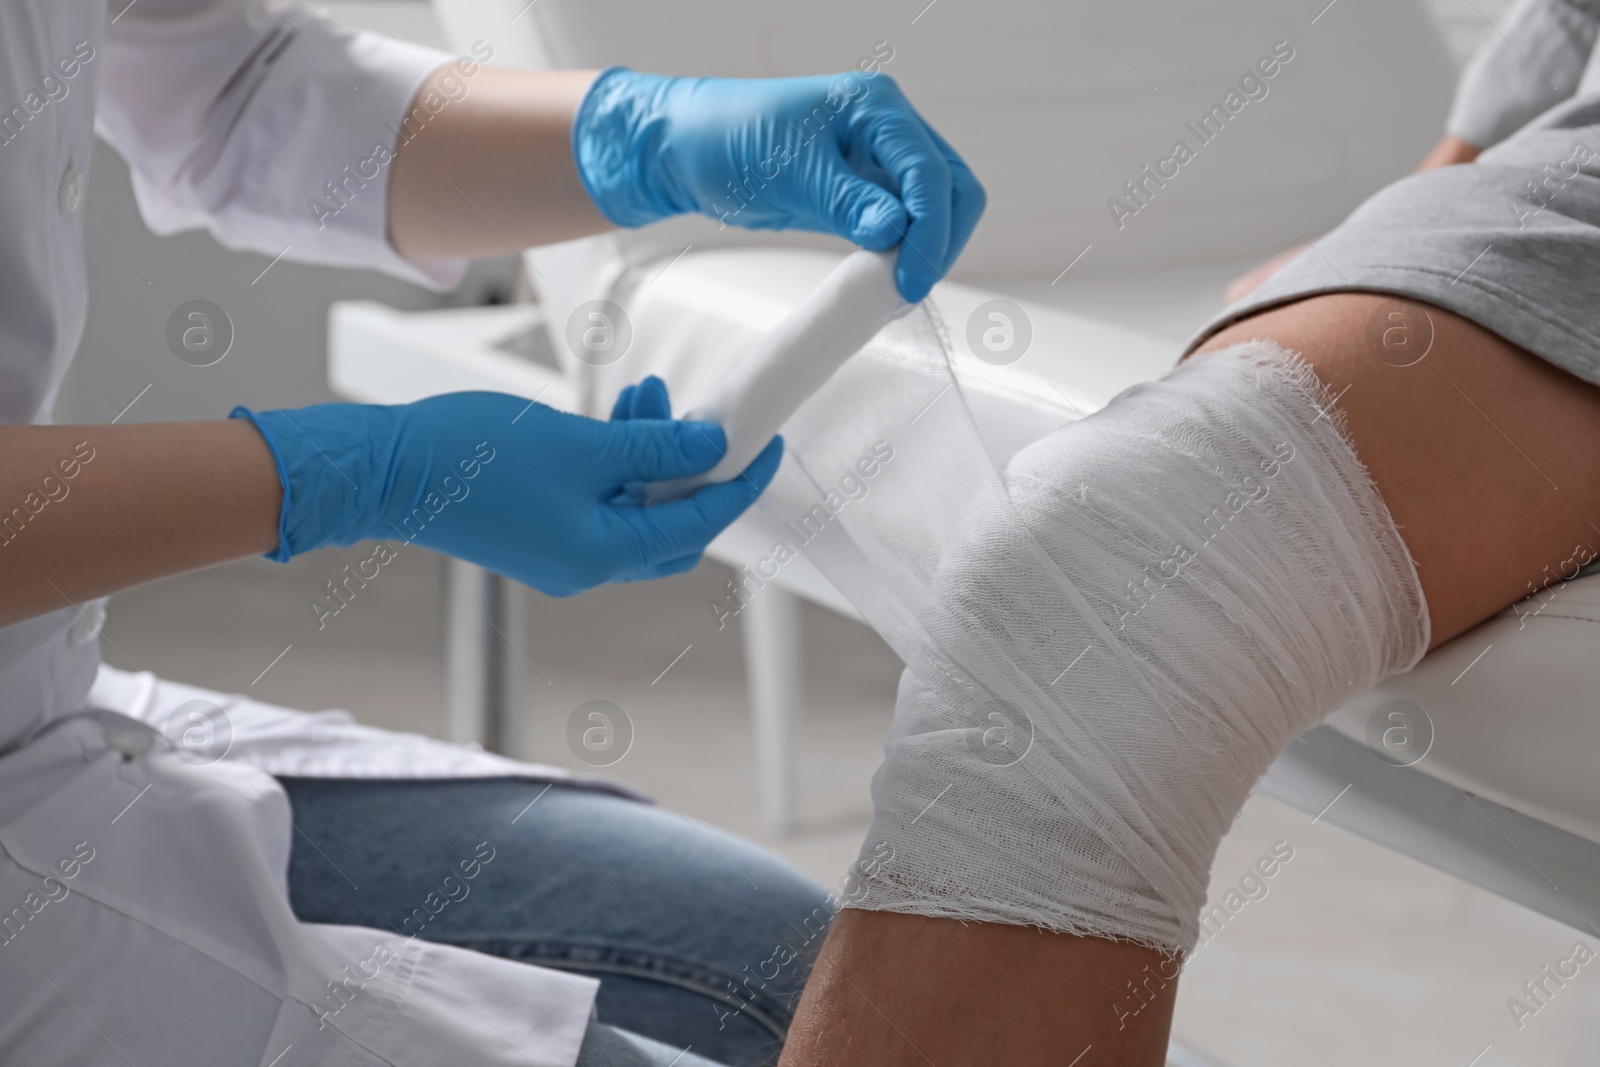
point(1368, 957)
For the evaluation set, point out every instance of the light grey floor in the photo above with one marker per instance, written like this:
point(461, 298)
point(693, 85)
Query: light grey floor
point(1354, 956)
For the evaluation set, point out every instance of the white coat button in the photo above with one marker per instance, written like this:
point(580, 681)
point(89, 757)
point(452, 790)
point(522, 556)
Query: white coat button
point(70, 190)
point(129, 739)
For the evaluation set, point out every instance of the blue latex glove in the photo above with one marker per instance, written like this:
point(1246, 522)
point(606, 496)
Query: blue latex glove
point(843, 154)
point(545, 497)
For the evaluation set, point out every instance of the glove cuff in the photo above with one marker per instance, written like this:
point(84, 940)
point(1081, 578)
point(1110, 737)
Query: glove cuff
point(617, 140)
point(281, 554)
point(332, 464)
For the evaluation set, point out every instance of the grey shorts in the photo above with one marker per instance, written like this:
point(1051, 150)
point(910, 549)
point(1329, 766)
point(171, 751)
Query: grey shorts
point(1511, 242)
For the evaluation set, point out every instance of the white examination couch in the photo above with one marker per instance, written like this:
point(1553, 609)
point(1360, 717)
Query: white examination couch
point(1056, 105)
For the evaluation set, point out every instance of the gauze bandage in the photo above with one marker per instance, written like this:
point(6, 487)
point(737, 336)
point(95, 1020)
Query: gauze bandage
point(793, 360)
point(1107, 645)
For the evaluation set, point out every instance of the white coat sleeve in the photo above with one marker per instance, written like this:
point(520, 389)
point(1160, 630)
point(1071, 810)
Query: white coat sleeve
point(266, 125)
point(1533, 60)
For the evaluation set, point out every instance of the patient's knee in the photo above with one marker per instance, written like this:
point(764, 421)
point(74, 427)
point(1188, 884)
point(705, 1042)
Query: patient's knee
point(1182, 583)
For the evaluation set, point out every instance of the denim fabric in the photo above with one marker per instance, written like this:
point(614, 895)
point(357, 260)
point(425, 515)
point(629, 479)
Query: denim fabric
point(700, 939)
point(607, 1046)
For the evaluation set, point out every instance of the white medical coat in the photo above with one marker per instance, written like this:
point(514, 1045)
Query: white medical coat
point(144, 914)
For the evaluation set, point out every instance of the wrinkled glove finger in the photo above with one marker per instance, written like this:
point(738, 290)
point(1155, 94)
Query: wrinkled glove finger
point(679, 528)
point(650, 400)
point(622, 408)
point(902, 147)
point(861, 211)
point(655, 450)
point(967, 199)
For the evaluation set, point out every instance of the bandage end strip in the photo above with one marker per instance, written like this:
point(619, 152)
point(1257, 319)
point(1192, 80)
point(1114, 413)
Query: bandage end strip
point(835, 321)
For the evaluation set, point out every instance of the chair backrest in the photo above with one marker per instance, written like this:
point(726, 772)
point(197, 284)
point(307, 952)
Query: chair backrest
point(1058, 103)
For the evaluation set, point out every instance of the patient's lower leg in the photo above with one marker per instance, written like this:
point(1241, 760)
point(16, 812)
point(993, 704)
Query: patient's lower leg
point(1466, 449)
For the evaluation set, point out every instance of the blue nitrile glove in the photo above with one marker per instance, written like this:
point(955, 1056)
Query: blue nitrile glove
point(844, 154)
point(539, 495)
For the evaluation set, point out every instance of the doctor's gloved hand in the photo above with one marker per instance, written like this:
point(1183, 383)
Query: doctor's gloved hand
point(545, 497)
point(842, 154)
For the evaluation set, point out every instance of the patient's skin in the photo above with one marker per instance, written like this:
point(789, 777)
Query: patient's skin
point(1489, 461)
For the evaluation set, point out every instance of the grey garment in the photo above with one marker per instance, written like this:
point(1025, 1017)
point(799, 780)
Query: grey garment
point(1511, 242)
point(606, 1046)
point(1534, 59)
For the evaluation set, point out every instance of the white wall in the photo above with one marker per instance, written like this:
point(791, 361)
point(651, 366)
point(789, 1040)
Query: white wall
point(279, 351)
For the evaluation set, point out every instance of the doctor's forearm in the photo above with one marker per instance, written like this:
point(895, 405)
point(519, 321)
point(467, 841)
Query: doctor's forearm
point(492, 172)
point(88, 510)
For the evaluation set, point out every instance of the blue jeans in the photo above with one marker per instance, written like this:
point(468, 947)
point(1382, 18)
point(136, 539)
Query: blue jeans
point(681, 922)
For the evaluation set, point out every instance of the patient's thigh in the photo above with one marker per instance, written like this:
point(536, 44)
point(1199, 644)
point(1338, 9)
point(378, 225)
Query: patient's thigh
point(1487, 457)
point(673, 917)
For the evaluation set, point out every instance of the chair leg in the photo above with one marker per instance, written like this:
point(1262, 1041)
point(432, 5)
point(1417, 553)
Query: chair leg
point(516, 680)
point(772, 665)
point(469, 639)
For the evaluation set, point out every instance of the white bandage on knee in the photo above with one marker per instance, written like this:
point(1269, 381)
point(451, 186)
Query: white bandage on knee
point(1107, 646)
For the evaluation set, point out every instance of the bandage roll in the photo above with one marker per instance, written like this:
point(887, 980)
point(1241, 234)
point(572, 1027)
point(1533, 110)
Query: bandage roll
point(856, 300)
point(1107, 645)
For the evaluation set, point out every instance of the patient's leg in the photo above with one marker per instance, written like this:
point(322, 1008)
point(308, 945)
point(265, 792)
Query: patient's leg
point(1489, 462)
point(1484, 454)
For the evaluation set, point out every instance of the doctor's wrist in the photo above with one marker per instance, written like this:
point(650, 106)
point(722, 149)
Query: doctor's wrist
point(620, 141)
point(334, 467)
